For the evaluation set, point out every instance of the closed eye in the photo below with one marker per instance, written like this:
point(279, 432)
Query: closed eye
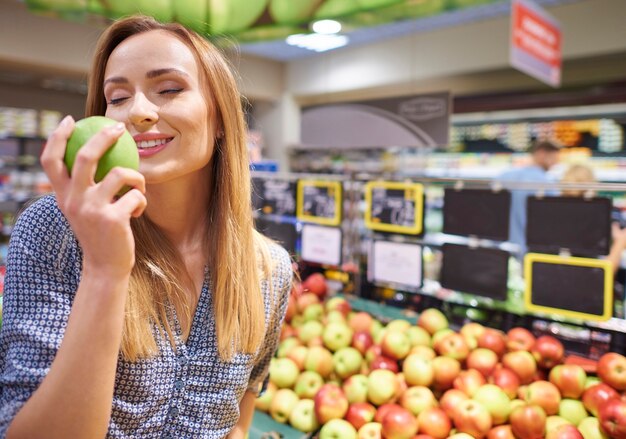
point(116, 101)
point(170, 91)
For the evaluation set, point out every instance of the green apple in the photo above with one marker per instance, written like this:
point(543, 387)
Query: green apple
point(495, 401)
point(590, 429)
point(376, 327)
point(287, 345)
point(592, 381)
point(308, 383)
point(303, 416)
point(234, 15)
point(191, 13)
point(123, 153)
point(355, 388)
point(314, 311)
point(309, 330)
point(282, 405)
point(572, 410)
point(288, 11)
point(398, 325)
point(337, 336)
point(418, 336)
point(338, 429)
point(382, 386)
point(335, 316)
point(418, 371)
point(347, 362)
point(283, 372)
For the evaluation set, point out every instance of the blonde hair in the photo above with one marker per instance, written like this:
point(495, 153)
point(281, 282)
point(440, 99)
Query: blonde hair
point(239, 256)
point(580, 174)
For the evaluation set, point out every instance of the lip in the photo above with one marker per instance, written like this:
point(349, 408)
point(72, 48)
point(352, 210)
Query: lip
point(151, 136)
point(147, 152)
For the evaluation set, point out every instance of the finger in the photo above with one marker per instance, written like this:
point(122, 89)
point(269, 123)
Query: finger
point(132, 203)
point(53, 153)
point(86, 163)
point(117, 179)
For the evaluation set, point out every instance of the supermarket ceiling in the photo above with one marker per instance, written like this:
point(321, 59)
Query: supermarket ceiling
point(286, 29)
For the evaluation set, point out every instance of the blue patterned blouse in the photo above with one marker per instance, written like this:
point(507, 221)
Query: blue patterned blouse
point(187, 393)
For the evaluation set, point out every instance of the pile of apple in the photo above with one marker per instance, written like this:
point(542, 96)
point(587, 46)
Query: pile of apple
point(345, 372)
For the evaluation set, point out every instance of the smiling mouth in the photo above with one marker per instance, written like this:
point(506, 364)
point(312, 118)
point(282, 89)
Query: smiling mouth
point(147, 144)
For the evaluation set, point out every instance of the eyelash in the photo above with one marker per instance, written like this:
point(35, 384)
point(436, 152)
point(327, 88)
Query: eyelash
point(163, 92)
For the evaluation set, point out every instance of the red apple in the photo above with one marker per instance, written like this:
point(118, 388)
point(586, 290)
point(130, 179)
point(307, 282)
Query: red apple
point(382, 362)
point(395, 344)
point(330, 403)
point(522, 363)
point(612, 370)
point(493, 340)
point(298, 356)
point(528, 422)
point(446, 370)
point(450, 401)
point(361, 321)
point(468, 381)
point(565, 432)
point(472, 418)
point(595, 396)
point(435, 423)
point(570, 379)
point(339, 304)
point(399, 424)
point(454, 346)
point(548, 351)
point(483, 360)
point(362, 340)
point(360, 414)
point(372, 352)
point(382, 411)
point(316, 284)
point(544, 394)
point(292, 308)
point(501, 432)
point(519, 339)
point(613, 418)
point(304, 300)
point(432, 320)
point(507, 380)
point(287, 331)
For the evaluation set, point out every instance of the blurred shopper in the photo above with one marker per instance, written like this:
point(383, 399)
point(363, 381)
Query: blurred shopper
point(544, 156)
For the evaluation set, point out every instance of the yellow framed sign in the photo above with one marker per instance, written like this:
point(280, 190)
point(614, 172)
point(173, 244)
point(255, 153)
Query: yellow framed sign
point(395, 207)
point(320, 202)
point(578, 288)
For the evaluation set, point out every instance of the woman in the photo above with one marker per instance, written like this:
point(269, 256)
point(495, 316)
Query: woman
point(153, 314)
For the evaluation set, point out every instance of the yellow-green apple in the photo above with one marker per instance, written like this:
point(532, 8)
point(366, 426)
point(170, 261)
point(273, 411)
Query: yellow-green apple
point(316, 284)
point(337, 336)
point(435, 423)
point(418, 398)
point(469, 381)
point(283, 372)
point(292, 309)
point(572, 410)
point(417, 371)
point(450, 401)
point(395, 344)
point(330, 403)
point(544, 394)
point(373, 352)
point(320, 360)
point(472, 418)
point(507, 380)
point(361, 341)
point(454, 346)
point(592, 381)
point(515, 403)
point(347, 362)
point(493, 340)
point(283, 403)
point(548, 351)
point(382, 411)
point(440, 335)
point(470, 332)
point(570, 379)
point(298, 356)
point(483, 360)
point(553, 422)
point(371, 430)
point(309, 330)
point(382, 386)
point(338, 429)
point(286, 345)
point(612, 370)
point(501, 432)
point(612, 417)
point(399, 424)
point(519, 339)
point(565, 432)
point(461, 436)
point(303, 416)
point(376, 327)
point(297, 321)
point(425, 352)
point(355, 388)
point(590, 428)
point(398, 325)
point(378, 337)
point(314, 311)
point(595, 396)
point(304, 300)
point(418, 336)
point(446, 370)
point(339, 304)
point(360, 413)
point(382, 362)
point(522, 363)
point(432, 320)
point(495, 401)
point(315, 341)
point(360, 321)
point(528, 422)
point(264, 401)
point(334, 316)
point(308, 383)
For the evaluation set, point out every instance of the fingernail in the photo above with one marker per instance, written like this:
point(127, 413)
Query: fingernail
point(66, 121)
point(119, 126)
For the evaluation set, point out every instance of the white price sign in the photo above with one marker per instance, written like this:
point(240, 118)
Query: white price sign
point(321, 245)
point(395, 262)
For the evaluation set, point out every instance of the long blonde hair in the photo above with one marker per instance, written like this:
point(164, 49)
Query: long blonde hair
point(239, 256)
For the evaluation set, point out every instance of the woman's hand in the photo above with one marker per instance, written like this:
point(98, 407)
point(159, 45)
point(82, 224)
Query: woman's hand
point(100, 220)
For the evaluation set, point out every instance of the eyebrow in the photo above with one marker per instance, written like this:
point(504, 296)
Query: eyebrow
point(150, 75)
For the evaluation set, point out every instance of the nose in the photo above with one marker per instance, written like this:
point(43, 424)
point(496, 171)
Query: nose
point(142, 111)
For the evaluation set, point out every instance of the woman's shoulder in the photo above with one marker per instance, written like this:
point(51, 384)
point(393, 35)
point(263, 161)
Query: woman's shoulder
point(281, 266)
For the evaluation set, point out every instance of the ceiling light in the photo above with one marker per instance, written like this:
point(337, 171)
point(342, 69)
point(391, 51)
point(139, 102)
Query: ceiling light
point(326, 27)
point(317, 42)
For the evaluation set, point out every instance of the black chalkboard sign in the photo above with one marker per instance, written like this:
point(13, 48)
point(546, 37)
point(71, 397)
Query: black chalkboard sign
point(477, 212)
point(569, 286)
point(319, 202)
point(285, 233)
point(395, 207)
point(582, 226)
point(274, 196)
point(480, 271)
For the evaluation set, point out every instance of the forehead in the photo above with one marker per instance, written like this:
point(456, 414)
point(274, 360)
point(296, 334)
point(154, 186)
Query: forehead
point(154, 49)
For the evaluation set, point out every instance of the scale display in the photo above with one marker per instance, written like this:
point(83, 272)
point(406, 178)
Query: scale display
point(274, 196)
point(395, 207)
point(480, 271)
point(580, 288)
point(477, 212)
point(582, 226)
point(319, 202)
point(284, 233)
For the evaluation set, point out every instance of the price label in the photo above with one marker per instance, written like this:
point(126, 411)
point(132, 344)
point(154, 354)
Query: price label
point(319, 202)
point(395, 207)
point(396, 263)
point(321, 245)
point(274, 196)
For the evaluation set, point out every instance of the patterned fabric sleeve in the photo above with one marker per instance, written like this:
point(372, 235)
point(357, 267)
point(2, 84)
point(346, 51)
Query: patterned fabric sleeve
point(37, 300)
point(281, 282)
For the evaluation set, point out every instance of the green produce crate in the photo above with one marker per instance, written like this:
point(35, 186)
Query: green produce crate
point(382, 312)
point(264, 427)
